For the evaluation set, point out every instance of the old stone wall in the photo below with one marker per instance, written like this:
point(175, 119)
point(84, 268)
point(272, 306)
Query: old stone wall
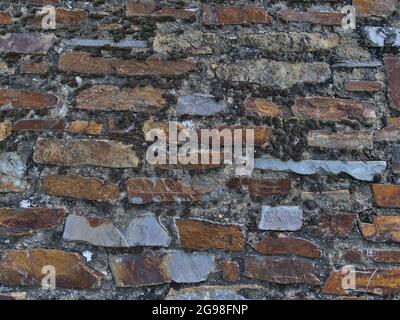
point(78, 199)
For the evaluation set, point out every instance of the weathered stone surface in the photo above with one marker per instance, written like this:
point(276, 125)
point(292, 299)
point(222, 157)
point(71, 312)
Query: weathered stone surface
point(152, 8)
point(382, 36)
point(5, 18)
point(280, 270)
point(199, 104)
point(26, 99)
point(276, 42)
point(19, 221)
point(146, 231)
point(234, 15)
point(199, 234)
point(5, 130)
point(334, 225)
point(277, 75)
point(372, 255)
point(281, 218)
point(261, 187)
point(93, 230)
point(333, 109)
point(374, 8)
point(34, 68)
point(377, 281)
point(261, 135)
point(383, 228)
point(197, 163)
point(24, 268)
point(11, 296)
point(393, 70)
point(186, 267)
point(210, 292)
point(142, 231)
point(33, 43)
point(391, 133)
point(79, 187)
point(80, 62)
point(12, 173)
point(42, 2)
point(358, 64)
point(74, 152)
point(65, 18)
point(105, 97)
point(230, 270)
point(39, 125)
point(335, 198)
point(98, 43)
point(283, 245)
point(357, 140)
point(396, 159)
point(88, 127)
point(364, 171)
point(148, 190)
point(364, 86)
point(265, 108)
point(160, 268)
point(139, 270)
point(386, 196)
point(328, 18)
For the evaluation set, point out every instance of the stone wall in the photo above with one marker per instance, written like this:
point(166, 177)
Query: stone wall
point(78, 198)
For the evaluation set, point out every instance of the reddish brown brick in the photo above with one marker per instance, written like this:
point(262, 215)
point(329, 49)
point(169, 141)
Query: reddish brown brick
point(265, 108)
point(393, 78)
point(364, 86)
point(5, 18)
point(79, 187)
point(151, 8)
point(368, 255)
point(391, 133)
point(383, 228)
point(334, 225)
point(39, 125)
point(88, 127)
point(374, 8)
point(386, 196)
point(34, 68)
point(26, 99)
point(332, 18)
point(65, 18)
point(198, 234)
point(19, 222)
point(80, 62)
point(261, 187)
point(234, 15)
point(230, 270)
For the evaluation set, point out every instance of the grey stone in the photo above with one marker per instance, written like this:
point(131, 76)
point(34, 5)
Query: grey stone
point(358, 64)
point(218, 294)
point(12, 172)
point(281, 218)
point(274, 74)
point(360, 170)
point(34, 43)
point(199, 104)
point(104, 42)
point(186, 267)
point(146, 231)
point(381, 36)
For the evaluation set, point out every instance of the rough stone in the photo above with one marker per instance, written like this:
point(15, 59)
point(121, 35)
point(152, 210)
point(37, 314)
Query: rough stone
point(261, 187)
point(357, 140)
point(199, 104)
point(281, 218)
point(12, 173)
point(26, 99)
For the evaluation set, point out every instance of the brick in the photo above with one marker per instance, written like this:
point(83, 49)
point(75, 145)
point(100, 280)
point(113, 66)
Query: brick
point(354, 140)
point(280, 270)
point(12, 177)
point(372, 255)
point(328, 18)
point(376, 281)
point(105, 97)
point(65, 18)
point(88, 127)
point(393, 70)
point(234, 15)
point(383, 228)
point(5, 130)
point(160, 190)
point(34, 68)
point(261, 187)
point(39, 125)
point(24, 268)
point(386, 196)
point(281, 218)
point(333, 109)
point(334, 225)
point(265, 108)
point(33, 43)
point(5, 18)
point(262, 136)
point(230, 270)
point(274, 74)
point(364, 86)
point(20, 222)
point(282, 245)
point(79, 187)
point(154, 9)
point(373, 8)
point(75, 152)
point(26, 99)
point(80, 62)
point(199, 234)
point(391, 133)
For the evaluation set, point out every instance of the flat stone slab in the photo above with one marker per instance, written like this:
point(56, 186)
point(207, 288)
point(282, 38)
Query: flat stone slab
point(281, 218)
point(199, 104)
point(382, 36)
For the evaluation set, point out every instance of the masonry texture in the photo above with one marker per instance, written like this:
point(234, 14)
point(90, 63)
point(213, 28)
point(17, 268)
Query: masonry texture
point(77, 103)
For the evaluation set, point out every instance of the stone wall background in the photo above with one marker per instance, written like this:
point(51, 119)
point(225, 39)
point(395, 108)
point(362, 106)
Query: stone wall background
point(314, 92)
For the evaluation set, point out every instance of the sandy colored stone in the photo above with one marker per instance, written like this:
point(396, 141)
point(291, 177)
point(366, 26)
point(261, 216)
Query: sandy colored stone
point(354, 140)
point(5, 129)
point(21, 221)
point(26, 99)
point(265, 108)
point(199, 234)
point(383, 229)
point(375, 8)
point(10, 296)
point(24, 268)
point(5, 18)
point(327, 18)
point(88, 127)
point(75, 152)
point(79, 187)
point(386, 196)
point(39, 125)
